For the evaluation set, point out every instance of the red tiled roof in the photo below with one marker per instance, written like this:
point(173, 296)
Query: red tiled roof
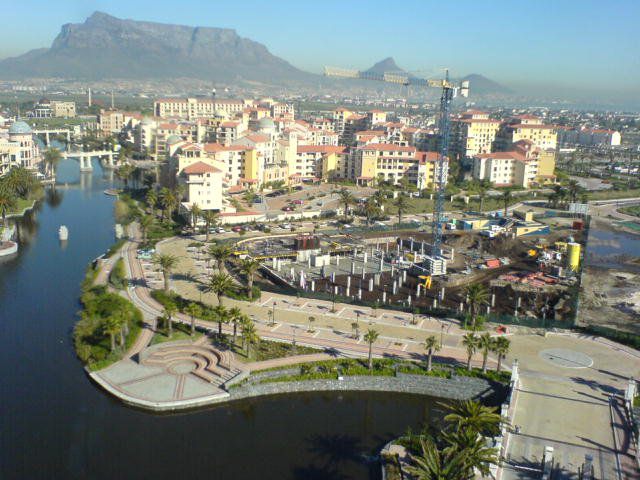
point(257, 138)
point(427, 156)
point(199, 168)
point(321, 149)
point(217, 147)
point(387, 147)
point(502, 155)
point(532, 125)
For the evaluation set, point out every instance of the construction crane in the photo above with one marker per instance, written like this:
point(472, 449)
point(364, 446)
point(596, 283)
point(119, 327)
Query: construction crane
point(449, 91)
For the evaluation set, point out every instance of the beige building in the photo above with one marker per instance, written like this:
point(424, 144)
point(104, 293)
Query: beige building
point(526, 127)
point(203, 184)
point(192, 108)
point(110, 122)
point(473, 133)
point(63, 109)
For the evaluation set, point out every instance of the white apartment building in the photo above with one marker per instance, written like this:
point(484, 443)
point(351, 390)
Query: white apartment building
point(192, 108)
point(506, 168)
point(203, 186)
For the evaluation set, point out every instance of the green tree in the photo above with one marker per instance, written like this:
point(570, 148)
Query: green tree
point(501, 349)
point(470, 342)
point(194, 311)
point(371, 210)
point(166, 263)
point(221, 315)
point(402, 205)
point(506, 196)
point(52, 157)
point(236, 317)
point(249, 335)
point(220, 284)
point(112, 326)
point(370, 337)
point(152, 200)
point(125, 172)
point(473, 416)
point(220, 253)
point(477, 295)
point(485, 344)
point(431, 344)
point(346, 199)
point(210, 218)
point(249, 267)
point(196, 213)
point(435, 464)
point(169, 202)
point(145, 223)
point(7, 203)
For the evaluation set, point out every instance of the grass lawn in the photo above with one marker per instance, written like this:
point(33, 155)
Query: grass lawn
point(634, 210)
point(613, 194)
point(181, 331)
point(268, 350)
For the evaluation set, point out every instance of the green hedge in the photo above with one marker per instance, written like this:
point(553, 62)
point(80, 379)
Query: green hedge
point(118, 277)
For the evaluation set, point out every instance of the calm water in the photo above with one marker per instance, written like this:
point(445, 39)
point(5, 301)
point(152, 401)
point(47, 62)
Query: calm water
point(55, 424)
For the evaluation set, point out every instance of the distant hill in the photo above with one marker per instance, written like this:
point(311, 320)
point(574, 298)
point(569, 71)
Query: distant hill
point(388, 65)
point(108, 47)
point(481, 85)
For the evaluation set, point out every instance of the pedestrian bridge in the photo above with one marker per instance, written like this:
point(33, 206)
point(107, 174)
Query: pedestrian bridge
point(55, 131)
point(85, 158)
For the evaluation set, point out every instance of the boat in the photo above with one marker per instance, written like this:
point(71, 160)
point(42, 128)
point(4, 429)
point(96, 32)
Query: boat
point(63, 232)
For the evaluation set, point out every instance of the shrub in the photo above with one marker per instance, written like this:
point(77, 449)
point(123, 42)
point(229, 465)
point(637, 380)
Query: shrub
point(117, 277)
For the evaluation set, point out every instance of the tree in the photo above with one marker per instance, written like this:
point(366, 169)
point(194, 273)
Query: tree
point(402, 205)
point(506, 199)
point(220, 253)
point(249, 334)
point(221, 315)
point(435, 464)
point(235, 316)
point(431, 344)
point(485, 343)
point(210, 217)
point(194, 311)
point(477, 295)
point(112, 325)
point(7, 203)
point(124, 172)
point(249, 267)
point(169, 202)
point(573, 190)
point(483, 188)
point(473, 416)
point(477, 457)
point(152, 200)
point(311, 319)
point(52, 157)
point(371, 209)
point(370, 337)
point(220, 284)
point(346, 198)
point(195, 212)
point(145, 223)
point(501, 348)
point(170, 310)
point(470, 342)
point(167, 263)
point(379, 196)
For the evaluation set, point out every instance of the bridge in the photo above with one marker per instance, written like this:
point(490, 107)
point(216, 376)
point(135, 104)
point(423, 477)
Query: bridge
point(56, 131)
point(85, 158)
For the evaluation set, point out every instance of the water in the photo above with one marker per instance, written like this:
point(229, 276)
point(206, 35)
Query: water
point(609, 248)
point(55, 423)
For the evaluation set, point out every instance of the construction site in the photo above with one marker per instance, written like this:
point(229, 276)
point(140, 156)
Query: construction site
point(529, 270)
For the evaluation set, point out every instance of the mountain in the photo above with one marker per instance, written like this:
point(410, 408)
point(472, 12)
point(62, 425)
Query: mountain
point(388, 65)
point(481, 85)
point(106, 47)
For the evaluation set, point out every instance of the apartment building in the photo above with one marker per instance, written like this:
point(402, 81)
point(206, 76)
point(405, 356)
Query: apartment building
point(61, 109)
point(203, 184)
point(315, 162)
point(473, 133)
point(588, 137)
point(526, 127)
point(110, 122)
point(192, 108)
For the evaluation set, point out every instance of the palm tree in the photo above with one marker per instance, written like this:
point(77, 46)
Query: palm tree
point(220, 254)
point(402, 205)
point(431, 344)
point(220, 284)
point(470, 342)
point(477, 295)
point(434, 464)
point(370, 337)
point(124, 172)
point(170, 310)
point(167, 263)
point(483, 188)
point(210, 217)
point(169, 201)
point(379, 196)
point(477, 456)
point(112, 326)
point(196, 212)
point(194, 311)
point(473, 416)
point(506, 199)
point(573, 190)
point(236, 316)
point(7, 203)
point(249, 335)
point(371, 209)
point(20, 182)
point(145, 223)
point(501, 348)
point(485, 343)
point(221, 316)
point(52, 157)
point(152, 200)
point(248, 267)
point(346, 199)
point(311, 320)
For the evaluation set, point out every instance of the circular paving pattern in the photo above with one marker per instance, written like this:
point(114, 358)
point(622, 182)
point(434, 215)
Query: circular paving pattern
point(566, 358)
point(181, 368)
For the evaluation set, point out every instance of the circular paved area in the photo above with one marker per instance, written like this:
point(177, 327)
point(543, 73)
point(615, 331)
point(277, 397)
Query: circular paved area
point(563, 357)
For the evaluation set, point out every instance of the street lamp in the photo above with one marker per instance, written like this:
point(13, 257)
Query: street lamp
point(273, 313)
point(441, 334)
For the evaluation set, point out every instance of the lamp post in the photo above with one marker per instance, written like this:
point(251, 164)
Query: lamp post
point(273, 314)
point(441, 334)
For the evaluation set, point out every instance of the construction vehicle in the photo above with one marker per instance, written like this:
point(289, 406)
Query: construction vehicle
point(449, 91)
point(427, 281)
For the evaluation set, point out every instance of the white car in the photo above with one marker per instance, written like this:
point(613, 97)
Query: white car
point(285, 226)
point(221, 230)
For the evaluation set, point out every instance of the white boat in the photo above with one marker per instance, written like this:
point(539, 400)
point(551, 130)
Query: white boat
point(63, 232)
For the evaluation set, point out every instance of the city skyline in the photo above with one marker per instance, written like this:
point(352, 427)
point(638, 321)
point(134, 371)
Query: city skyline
point(572, 53)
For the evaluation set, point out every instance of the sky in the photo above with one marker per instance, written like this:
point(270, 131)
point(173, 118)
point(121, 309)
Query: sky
point(585, 45)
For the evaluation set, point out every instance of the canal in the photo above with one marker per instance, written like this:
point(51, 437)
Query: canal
point(56, 424)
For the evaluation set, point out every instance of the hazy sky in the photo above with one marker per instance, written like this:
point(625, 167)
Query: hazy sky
point(582, 44)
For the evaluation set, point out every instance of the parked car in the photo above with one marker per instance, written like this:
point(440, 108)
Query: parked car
point(298, 202)
point(285, 226)
point(221, 230)
point(237, 229)
point(287, 208)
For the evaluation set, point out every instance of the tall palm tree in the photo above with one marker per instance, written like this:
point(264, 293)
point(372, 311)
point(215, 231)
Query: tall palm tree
point(249, 267)
point(370, 337)
point(170, 310)
point(470, 342)
point(220, 253)
point(501, 348)
point(145, 223)
point(152, 200)
point(431, 344)
point(477, 456)
point(346, 199)
point(220, 284)
point(485, 344)
point(111, 327)
point(379, 196)
point(235, 316)
point(473, 416)
point(506, 199)
point(52, 157)
point(249, 335)
point(194, 311)
point(196, 213)
point(210, 217)
point(7, 202)
point(221, 315)
point(167, 263)
point(477, 295)
point(573, 190)
point(402, 205)
point(169, 202)
point(371, 209)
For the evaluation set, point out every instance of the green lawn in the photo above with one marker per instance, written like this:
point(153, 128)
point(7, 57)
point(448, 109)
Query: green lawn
point(634, 210)
point(268, 350)
point(181, 331)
